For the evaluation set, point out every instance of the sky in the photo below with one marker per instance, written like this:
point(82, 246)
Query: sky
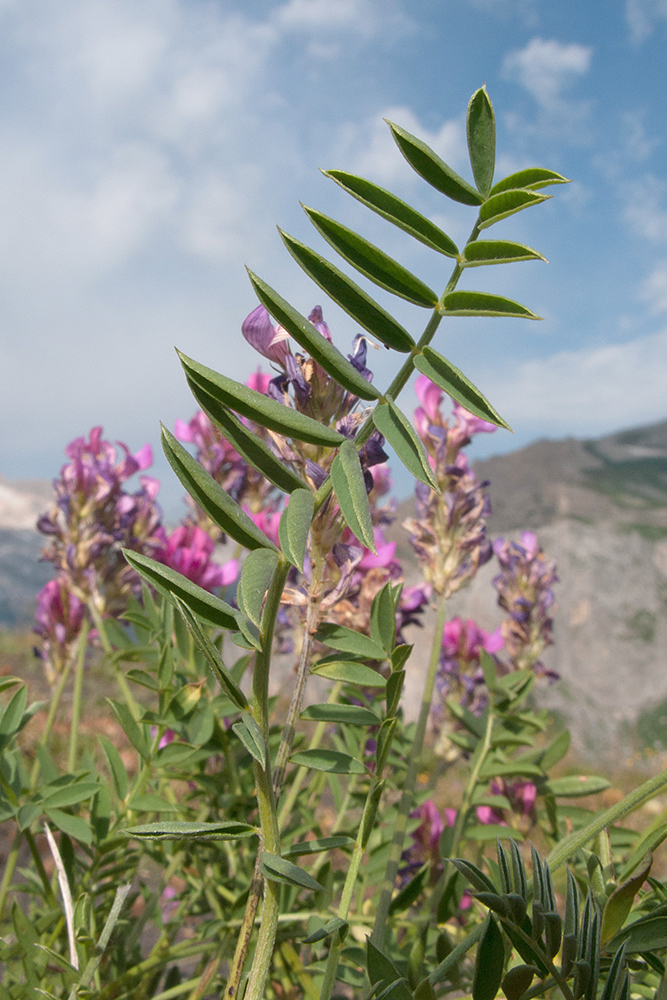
point(148, 151)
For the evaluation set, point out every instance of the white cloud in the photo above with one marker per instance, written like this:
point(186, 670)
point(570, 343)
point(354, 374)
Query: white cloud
point(643, 16)
point(587, 391)
point(363, 17)
point(547, 69)
point(645, 208)
point(654, 289)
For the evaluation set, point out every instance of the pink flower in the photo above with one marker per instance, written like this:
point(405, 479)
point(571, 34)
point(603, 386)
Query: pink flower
point(189, 550)
point(267, 521)
point(259, 381)
point(430, 397)
point(385, 552)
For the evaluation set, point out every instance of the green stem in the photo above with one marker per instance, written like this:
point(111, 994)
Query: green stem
point(50, 719)
point(10, 867)
point(336, 945)
point(76, 701)
point(268, 817)
point(406, 804)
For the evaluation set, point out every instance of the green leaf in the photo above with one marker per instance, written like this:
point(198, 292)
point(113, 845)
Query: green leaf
point(179, 830)
point(346, 640)
point(349, 485)
point(12, 716)
point(116, 766)
point(532, 177)
point(68, 795)
point(618, 905)
point(171, 584)
point(403, 438)
point(575, 786)
point(258, 569)
point(131, 728)
point(329, 760)
point(250, 447)
point(350, 672)
point(149, 802)
point(483, 304)
point(383, 973)
point(395, 683)
point(349, 296)
point(518, 980)
point(448, 377)
point(484, 832)
point(213, 500)
point(212, 655)
point(501, 206)
point(371, 261)
point(354, 715)
point(319, 348)
point(383, 619)
point(555, 752)
point(394, 210)
point(481, 131)
point(497, 252)
point(277, 869)
point(615, 976)
point(489, 962)
point(251, 737)
point(264, 411)
point(331, 926)
point(496, 769)
point(649, 934)
point(317, 846)
point(435, 172)
point(476, 877)
point(73, 826)
point(295, 523)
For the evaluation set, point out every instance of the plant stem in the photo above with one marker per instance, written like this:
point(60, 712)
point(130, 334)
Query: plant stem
point(82, 644)
point(10, 866)
point(270, 836)
point(407, 798)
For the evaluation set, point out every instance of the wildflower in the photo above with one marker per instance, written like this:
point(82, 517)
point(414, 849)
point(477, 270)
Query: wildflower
point(459, 671)
point(449, 532)
point(524, 588)
point(60, 616)
point(188, 550)
point(521, 796)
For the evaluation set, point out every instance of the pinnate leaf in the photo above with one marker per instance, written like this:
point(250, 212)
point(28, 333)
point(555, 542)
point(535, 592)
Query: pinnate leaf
point(392, 208)
point(481, 132)
point(435, 172)
point(489, 962)
point(295, 523)
point(497, 252)
point(212, 655)
point(305, 334)
point(354, 300)
point(349, 485)
point(74, 826)
point(264, 411)
point(403, 438)
point(532, 177)
point(371, 261)
point(501, 206)
point(450, 378)
point(466, 303)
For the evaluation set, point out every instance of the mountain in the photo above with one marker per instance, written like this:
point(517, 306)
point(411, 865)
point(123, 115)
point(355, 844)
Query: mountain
point(22, 575)
point(599, 508)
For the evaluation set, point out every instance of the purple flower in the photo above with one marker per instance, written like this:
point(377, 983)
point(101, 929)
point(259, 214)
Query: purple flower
point(188, 550)
point(459, 672)
point(59, 616)
point(269, 340)
point(525, 592)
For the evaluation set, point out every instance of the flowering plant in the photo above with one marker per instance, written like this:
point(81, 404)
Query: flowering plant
point(242, 847)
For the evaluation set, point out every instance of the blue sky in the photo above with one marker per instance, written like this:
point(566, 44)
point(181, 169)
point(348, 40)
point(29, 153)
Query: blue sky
point(147, 152)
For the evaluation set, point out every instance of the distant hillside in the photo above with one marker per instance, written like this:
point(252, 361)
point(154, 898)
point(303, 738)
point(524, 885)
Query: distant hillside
point(600, 509)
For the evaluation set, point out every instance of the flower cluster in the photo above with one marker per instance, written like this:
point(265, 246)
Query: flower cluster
point(459, 672)
point(524, 588)
point(449, 531)
point(93, 519)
